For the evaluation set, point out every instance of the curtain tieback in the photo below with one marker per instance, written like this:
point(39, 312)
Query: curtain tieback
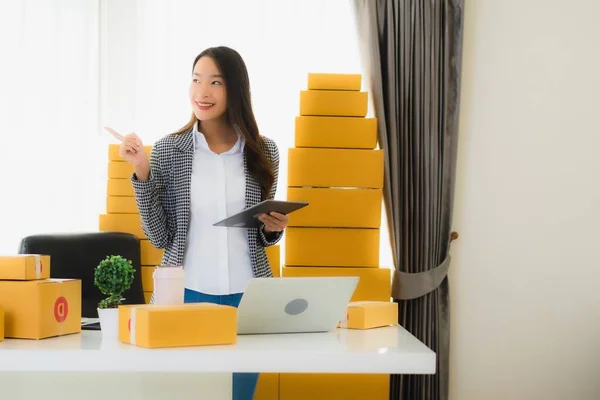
point(414, 285)
point(410, 286)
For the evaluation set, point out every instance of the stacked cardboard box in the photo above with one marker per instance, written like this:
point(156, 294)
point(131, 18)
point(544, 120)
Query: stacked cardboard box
point(122, 214)
point(33, 306)
point(336, 167)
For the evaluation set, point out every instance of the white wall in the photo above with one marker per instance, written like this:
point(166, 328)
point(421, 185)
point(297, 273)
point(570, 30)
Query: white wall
point(525, 276)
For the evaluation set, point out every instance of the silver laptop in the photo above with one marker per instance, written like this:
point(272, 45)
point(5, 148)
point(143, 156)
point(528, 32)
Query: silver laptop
point(294, 305)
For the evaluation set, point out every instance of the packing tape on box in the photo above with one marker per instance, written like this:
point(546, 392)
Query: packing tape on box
point(61, 325)
point(38, 266)
point(132, 325)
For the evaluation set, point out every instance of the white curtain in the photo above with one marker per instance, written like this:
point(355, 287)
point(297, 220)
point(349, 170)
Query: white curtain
point(127, 64)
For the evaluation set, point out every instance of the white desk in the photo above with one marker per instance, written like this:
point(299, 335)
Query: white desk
point(83, 366)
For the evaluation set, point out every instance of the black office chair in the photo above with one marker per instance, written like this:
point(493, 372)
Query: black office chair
point(76, 255)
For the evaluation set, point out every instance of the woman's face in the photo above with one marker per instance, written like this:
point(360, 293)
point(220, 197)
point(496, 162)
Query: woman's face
point(208, 94)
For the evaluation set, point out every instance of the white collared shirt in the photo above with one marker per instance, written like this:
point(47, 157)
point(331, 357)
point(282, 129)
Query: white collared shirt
point(217, 259)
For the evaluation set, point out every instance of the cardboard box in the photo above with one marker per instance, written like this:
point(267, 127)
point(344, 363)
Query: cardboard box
point(321, 81)
point(24, 267)
point(192, 324)
point(370, 314)
point(150, 254)
point(113, 152)
point(148, 278)
point(347, 168)
point(332, 247)
point(119, 170)
point(42, 308)
point(267, 387)
point(333, 103)
point(119, 187)
point(337, 208)
point(129, 223)
point(374, 283)
point(121, 205)
point(334, 386)
point(1, 324)
point(336, 132)
point(147, 297)
point(274, 257)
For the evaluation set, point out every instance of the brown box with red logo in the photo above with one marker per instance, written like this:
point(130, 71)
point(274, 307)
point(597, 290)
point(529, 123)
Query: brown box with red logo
point(40, 309)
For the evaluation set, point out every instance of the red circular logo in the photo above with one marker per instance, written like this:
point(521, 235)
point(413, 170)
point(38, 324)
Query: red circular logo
point(61, 309)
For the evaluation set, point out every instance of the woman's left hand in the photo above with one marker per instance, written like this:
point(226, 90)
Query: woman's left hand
point(274, 222)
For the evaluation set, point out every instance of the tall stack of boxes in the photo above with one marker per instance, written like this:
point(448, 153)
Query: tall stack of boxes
point(33, 306)
point(122, 214)
point(336, 167)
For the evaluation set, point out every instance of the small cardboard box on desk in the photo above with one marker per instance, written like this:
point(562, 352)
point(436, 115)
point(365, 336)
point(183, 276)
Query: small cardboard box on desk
point(370, 314)
point(177, 325)
point(24, 267)
point(36, 307)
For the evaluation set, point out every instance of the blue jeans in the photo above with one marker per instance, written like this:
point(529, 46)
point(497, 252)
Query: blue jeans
point(244, 384)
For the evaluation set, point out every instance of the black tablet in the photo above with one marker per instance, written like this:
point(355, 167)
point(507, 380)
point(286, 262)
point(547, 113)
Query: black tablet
point(249, 217)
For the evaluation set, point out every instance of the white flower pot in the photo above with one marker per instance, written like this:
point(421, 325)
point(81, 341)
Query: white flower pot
point(109, 322)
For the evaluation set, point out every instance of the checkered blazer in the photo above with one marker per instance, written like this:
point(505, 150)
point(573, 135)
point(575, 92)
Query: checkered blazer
point(164, 200)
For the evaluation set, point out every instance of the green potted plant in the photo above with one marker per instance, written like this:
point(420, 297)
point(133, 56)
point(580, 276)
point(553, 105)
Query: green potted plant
point(113, 276)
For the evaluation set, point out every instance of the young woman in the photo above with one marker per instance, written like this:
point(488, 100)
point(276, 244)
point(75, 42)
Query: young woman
point(215, 166)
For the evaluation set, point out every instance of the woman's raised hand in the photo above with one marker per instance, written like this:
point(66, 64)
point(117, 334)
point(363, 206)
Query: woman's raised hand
point(132, 150)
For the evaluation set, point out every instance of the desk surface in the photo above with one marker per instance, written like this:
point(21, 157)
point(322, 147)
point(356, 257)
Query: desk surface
point(383, 350)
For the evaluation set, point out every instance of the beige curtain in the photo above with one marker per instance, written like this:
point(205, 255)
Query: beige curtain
point(412, 53)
